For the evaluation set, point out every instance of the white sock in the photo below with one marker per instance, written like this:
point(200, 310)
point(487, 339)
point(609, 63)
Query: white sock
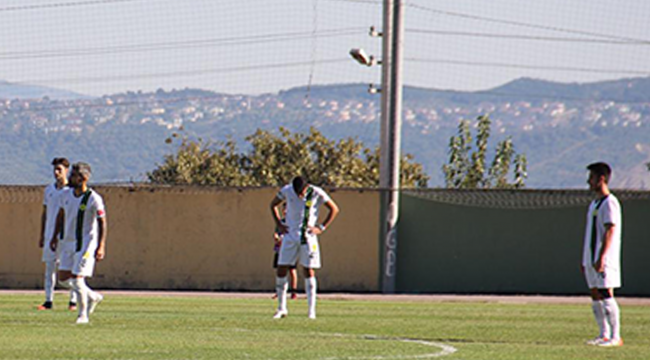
point(79, 287)
point(599, 314)
point(84, 292)
point(310, 289)
point(612, 315)
point(281, 287)
point(73, 297)
point(50, 280)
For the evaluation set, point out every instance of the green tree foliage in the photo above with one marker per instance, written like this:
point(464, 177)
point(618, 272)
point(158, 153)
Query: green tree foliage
point(274, 160)
point(467, 160)
point(200, 163)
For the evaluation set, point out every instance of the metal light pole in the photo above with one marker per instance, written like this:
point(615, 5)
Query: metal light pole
point(391, 133)
point(391, 137)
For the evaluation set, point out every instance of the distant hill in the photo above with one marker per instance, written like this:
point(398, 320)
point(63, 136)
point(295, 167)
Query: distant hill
point(23, 92)
point(560, 127)
point(624, 90)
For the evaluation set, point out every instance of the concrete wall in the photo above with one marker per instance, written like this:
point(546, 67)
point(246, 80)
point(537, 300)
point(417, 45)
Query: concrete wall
point(221, 239)
point(193, 238)
point(447, 248)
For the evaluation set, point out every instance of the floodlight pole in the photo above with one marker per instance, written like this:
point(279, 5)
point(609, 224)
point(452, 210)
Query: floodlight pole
point(391, 137)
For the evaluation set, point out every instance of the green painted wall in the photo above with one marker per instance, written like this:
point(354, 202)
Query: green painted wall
point(447, 248)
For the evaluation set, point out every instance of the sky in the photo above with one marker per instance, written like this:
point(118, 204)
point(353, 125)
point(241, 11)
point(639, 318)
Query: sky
point(98, 47)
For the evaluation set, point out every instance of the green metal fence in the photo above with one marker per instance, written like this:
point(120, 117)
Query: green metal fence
point(519, 242)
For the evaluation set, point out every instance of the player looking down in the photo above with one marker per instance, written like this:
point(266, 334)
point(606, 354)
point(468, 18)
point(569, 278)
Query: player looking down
point(300, 239)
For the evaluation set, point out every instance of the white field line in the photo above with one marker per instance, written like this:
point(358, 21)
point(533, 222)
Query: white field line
point(444, 349)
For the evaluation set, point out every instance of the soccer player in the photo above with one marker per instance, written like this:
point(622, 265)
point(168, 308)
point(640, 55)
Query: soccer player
point(83, 217)
point(601, 256)
point(300, 237)
point(48, 220)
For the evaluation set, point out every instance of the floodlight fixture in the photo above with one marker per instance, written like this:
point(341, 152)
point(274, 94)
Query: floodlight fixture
point(362, 58)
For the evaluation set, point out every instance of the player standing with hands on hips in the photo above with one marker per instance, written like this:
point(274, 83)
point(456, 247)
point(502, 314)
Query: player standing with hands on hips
point(601, 256)
point(83, 217)
point(300, 240)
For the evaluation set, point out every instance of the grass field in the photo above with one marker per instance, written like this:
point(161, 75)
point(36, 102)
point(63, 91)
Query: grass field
point(158, 327)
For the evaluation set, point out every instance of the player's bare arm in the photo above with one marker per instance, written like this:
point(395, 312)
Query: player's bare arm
point(331, 215)
point(58, 227)
point(275, 212)
point(599, 266)
point(101, 247)
point(41, 241)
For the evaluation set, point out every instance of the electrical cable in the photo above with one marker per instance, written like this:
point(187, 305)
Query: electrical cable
point(523, 24)
point(230, 41)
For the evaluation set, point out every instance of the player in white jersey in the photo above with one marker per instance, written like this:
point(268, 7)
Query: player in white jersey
point(82, 217)
point(48, 220)
point(601, 256)
point(300, 239)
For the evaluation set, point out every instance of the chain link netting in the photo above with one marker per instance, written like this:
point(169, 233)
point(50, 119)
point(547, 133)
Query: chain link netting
point(519, 199)
point(492, 198)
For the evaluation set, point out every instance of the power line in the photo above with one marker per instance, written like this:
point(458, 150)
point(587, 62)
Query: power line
point(523, 24)
point(369, 2)
point(71, 4)
point(178, 73)
point(527, 37)
point(312, 68)
point(530, 67)
point(63, 5)
point(173, 45)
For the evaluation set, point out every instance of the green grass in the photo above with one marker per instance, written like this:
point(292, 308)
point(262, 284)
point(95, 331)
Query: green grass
point(136, 327)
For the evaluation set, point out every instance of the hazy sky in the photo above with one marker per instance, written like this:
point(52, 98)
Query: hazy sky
point(99, 47)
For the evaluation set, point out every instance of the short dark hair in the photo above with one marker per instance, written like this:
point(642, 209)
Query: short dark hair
point(61, 161)
point(601, 169)
point(299, 184)
point(82, 168)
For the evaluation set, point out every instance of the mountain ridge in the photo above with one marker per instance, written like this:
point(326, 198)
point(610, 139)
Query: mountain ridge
point(560, 127)
point(12, 91)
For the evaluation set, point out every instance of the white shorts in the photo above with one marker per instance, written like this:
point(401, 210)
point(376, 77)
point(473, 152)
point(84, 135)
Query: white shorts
point(609, 279)
point(79, 263)
point(291, 250)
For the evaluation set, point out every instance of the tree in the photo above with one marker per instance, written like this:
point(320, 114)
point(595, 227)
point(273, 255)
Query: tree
point(274, 160)
point(200, 163)
point(467, 165)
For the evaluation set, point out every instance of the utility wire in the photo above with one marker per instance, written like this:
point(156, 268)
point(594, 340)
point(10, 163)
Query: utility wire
point(172, 45)
point(62, 5)
point(312, 68)
point(531, 67)
point(523, 24)
point(527, 37)
point(369, 2)
point(178, 73)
